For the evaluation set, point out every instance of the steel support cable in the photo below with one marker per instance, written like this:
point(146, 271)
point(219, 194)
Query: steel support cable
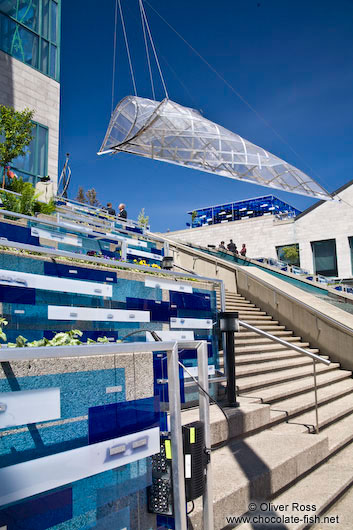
point(154, 49)
point(267, 123)
point(127, 47)
point(114, 53)
point(147, 51)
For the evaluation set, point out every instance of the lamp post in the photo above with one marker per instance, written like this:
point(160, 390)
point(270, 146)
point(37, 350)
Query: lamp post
point(228, 323)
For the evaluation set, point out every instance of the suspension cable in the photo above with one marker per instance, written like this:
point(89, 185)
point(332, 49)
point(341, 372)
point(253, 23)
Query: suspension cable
point(212, 68)
point(127, 47)
point(147, 51)
point(114, 53)
point(153, 48)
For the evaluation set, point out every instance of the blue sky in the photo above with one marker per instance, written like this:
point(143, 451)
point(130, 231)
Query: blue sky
point(290, 59)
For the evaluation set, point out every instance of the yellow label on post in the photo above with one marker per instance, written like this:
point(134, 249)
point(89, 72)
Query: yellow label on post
point(192, 435)
point(168, 449)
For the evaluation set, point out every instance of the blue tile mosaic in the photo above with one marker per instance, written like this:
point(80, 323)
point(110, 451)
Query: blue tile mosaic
point(160, 311)
point(118, 419)
point(195, 301)
point(80, 273)
point(14, 295)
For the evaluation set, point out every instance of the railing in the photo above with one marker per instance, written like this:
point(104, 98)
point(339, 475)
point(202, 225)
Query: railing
point(292, 346)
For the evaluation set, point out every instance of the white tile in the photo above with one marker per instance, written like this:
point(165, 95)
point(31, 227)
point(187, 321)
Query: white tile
point(59, 312)
point(56, 236)
point(29, 406)
point(144, 254)
point(53, 283)
point(194, 371)
point(42, 474)
point(172, 335)
point(193, 323)
point(169, 286)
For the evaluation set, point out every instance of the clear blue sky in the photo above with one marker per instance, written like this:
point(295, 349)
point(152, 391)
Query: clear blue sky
point(291, 59)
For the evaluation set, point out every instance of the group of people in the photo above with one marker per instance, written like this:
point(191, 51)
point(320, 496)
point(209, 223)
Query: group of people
point(233, 248)
point(122, 211)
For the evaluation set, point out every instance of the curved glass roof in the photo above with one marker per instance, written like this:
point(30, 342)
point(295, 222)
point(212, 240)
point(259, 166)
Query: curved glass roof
point(172, 133)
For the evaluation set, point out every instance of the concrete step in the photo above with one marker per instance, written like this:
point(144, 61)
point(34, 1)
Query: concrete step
point(268, 326)
point(240, 335)
point(272, 346)
point(244, 313)
point(272, 366)
point(258, 339)
point(250, 469)
point(306, 401)
point(260, 317)
point(242, 308)
point(274, 394)
point(253, 382)
point(328, 413)
point(316, 492)
point(268, 356)
point(340, 433)
point(261, 363)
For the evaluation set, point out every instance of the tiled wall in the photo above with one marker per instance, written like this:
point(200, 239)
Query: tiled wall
point(56, 466)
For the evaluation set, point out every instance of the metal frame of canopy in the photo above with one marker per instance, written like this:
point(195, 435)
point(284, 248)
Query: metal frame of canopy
point(169, 132)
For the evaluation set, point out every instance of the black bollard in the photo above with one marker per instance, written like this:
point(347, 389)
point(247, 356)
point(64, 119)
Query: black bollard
point(228, 323)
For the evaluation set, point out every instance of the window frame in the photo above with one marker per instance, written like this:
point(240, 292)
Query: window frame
point(35, 175)
point(312, 244)
point(42, 38)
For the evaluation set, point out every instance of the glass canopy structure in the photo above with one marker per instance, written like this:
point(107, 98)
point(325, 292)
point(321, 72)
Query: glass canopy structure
point(179, 135)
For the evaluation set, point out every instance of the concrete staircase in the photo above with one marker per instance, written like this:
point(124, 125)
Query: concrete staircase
point(271, 452)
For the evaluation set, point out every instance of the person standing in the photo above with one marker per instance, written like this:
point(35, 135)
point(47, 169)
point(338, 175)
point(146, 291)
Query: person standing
point(243, 250)
point(122, 211)
point(232, 247)
point(222, 246)
point(109, 208)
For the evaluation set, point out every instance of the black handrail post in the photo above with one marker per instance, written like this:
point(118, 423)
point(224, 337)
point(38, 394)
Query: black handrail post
point(229, 324)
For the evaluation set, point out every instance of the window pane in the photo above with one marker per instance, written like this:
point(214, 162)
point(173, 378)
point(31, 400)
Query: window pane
point(52, 61)
point(325, 258)
point(27, 162)
point(45, 19)
point(53, 21)
point(18, 42)
point(44, 57)
point(25, 11)
point(42, 151)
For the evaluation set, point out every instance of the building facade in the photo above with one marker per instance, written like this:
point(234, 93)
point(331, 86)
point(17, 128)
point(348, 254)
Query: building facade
point(323, 235)
point(29, 78)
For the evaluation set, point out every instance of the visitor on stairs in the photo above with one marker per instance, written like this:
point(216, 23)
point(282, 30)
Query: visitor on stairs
point(122, 211)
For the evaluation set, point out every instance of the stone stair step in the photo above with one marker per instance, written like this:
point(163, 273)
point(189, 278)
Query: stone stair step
point(248, 469)
point(328, 414)
point(240, 335)
point(272, 346)
point(268, 326)
point(257, 381)
point(340, 433)
point(275, 393)
point(272, 366)
point(320, 489)
point(306, 401)
point(269, 356)
point(243, 309)
point(260, 317)
point(258, 339)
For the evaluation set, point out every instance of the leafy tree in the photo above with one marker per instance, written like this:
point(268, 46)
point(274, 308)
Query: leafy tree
point(143, 219)
point(291, 255)
point(193, 216)
point(27, 202)
point(81, 195)
point(92, 197)
point(16, 130)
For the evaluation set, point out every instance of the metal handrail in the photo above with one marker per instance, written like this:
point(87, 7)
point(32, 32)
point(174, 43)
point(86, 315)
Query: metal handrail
point(292, 346)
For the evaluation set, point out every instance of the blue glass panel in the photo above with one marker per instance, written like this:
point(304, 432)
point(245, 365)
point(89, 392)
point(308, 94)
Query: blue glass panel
point(117, 520)
point(165, 523)
point(18, 41)
point(40, 513)
point(15, 295)
point(160, 311)
point(20, 234)
point(118, 419)
point(196, 301)
point(63, 271)
point(160, 371)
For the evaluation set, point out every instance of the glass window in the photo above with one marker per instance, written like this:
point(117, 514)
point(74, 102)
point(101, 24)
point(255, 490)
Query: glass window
point(52, 72)
point(53, 20)
point(45, 19)
point(44, 58)
point(350, 239)
point(25, 11)
point(34, 162)
point(325, 257)
point(289, 254)
point(18, 41)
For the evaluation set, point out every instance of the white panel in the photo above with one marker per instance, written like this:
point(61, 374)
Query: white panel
point(144, 254)
point(172, 335)
point(195, 371)
point(187, 466)
point(57, 236)
point(60, 312)
point(42, 474)
point(169, 286)
point(194, 323)
point(29, 406)
point(134, 242)
point(53, 283)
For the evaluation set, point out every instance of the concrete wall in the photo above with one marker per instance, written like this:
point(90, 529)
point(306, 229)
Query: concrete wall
point(22, 86)
point(323, 325)
point(330, 220)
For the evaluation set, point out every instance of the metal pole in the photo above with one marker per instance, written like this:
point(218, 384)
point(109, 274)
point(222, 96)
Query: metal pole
point(229, 324)
point(204, 412)
point(176, 439)
point(316, 405)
